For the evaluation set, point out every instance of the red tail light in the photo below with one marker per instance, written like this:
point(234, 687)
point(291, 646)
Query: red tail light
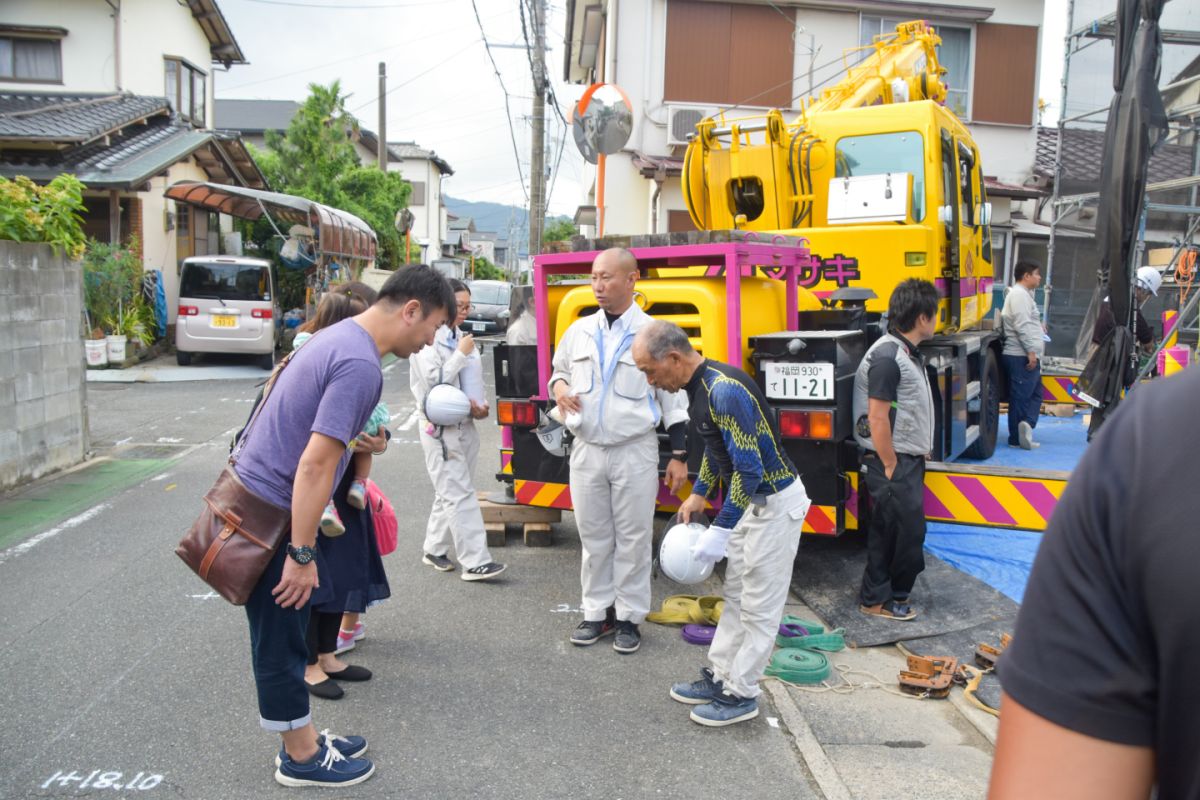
point(520, 414)
point(796, 424)
point(188, 311)
point(261, 313)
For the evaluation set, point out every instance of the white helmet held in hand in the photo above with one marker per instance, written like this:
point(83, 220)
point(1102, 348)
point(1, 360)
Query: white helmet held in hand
point(1150, 279)
point(446, 405)
point(550, 433)
point(675, 554)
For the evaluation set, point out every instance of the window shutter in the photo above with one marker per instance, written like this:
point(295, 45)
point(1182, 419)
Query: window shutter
point(1005, 73)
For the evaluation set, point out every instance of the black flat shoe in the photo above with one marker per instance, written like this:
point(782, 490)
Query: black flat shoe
point(351, 673)
point(326, 690)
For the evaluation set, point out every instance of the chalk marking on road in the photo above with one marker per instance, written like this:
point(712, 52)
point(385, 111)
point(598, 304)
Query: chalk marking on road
point(408, 423)
point(126, 440)
point(210, 596)
point(773, 722)
point(162, 477)
point(105, 780)
point(29, 544)
point(565, 608)
point(170, 487)
point(167, 440)
point(815, 758)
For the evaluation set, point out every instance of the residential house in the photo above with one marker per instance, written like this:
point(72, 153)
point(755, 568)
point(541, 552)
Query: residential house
point(422, 168)
point(681, 60)
point(123, 100)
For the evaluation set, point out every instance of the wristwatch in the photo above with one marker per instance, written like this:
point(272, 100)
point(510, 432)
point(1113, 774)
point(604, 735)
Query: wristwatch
point(679, 455)
point(302, 554)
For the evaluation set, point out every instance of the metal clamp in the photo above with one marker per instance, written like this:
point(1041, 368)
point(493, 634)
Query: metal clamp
point(929, 676)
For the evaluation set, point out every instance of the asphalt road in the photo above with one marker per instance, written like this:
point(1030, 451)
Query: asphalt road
point(125, 677)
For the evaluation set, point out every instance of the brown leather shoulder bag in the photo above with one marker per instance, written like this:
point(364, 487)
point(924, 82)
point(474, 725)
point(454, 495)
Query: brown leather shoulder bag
point(236, 535)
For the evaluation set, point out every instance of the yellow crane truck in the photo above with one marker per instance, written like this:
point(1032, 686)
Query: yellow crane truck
point(804, 228)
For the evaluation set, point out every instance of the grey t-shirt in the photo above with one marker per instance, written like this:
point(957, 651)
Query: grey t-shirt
point(1106, 643)
point(330, 387)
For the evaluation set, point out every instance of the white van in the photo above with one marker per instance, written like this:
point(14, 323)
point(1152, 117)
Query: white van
point(226, 305)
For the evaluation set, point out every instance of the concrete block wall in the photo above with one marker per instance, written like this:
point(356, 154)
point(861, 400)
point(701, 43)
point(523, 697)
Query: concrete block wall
point(43, 412)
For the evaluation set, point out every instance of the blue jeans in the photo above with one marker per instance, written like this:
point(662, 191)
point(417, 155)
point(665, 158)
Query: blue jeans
point(278, 652)
point(1024, 394)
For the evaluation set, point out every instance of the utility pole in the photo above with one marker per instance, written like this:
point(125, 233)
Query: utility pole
point(537, 159)
point(382, 148)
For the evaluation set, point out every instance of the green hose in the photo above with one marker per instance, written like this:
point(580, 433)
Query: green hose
point(798, 666)
point(812, 626)
point(830, 642)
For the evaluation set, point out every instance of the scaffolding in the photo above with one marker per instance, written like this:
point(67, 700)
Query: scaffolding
point(1171, 211)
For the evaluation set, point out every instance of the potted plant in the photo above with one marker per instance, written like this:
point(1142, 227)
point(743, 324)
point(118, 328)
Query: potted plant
point(112, 276)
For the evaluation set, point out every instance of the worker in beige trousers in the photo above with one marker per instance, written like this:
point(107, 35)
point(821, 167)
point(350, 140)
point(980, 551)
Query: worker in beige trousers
point(613, 412)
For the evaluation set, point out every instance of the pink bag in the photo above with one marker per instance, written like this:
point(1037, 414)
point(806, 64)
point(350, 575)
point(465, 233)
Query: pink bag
point(383, 517)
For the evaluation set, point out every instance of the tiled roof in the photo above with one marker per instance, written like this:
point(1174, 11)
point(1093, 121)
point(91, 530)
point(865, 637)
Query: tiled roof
point(1083, 153)
point(72, 119)
point(411, 150)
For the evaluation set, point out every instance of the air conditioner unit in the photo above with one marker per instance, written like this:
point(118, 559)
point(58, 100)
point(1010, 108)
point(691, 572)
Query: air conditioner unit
point(683, 119)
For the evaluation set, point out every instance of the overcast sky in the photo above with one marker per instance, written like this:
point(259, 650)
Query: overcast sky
point(444, 93)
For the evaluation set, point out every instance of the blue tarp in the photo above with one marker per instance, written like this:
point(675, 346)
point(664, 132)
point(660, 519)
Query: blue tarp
point(1000, 557)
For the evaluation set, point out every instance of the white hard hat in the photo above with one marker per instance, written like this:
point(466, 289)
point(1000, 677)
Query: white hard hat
point(550, 433)
point(1150, 279)
point(446, 405)
point(675, 554)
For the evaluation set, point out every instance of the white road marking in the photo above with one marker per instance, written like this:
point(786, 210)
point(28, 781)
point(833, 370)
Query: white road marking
point(126, 440)
point(408, 423)
point(29, 544)
point(167, 440)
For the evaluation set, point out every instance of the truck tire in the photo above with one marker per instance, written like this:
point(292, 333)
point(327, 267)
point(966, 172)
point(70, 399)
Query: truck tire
point(989, 409)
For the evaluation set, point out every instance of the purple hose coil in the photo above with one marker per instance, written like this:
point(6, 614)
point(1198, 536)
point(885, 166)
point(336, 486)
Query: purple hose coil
point(699, 634)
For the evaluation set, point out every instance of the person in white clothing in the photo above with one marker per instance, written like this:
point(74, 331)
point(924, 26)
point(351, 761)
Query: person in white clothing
point(523, 330)
point(613, 413)
point(452, 451)
point(1024, 344)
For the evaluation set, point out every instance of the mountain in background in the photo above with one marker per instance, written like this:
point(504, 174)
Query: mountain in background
point(495, 217)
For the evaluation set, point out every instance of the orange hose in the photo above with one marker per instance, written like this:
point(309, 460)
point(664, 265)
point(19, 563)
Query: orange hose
point(1185, 273)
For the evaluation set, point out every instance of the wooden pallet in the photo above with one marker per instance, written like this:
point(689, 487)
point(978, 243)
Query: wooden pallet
point(536, 523)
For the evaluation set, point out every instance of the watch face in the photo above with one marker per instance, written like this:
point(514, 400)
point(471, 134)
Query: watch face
point(301, 555)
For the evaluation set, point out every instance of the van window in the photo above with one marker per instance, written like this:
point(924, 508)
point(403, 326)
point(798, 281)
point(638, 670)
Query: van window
point(493, 294)
point(225, 281)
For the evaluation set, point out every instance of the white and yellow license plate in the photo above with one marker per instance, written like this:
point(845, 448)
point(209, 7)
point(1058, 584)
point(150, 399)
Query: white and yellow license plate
point(222, 321)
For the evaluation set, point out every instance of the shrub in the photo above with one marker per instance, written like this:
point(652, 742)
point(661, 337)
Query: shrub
point(50, 213)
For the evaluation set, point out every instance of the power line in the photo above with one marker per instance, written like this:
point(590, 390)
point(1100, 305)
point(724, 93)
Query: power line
point(342, 7)
point(508, 111)
point(402, 84)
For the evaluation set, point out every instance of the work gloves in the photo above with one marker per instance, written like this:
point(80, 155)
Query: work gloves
point(710, 545)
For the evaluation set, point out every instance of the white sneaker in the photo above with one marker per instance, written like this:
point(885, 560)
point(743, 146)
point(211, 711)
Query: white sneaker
point(1025, 435)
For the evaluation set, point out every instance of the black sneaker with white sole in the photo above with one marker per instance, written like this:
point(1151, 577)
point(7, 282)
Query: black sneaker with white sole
point(590, 632)
point(440, 563)
point(628, 638)
point(484, 572)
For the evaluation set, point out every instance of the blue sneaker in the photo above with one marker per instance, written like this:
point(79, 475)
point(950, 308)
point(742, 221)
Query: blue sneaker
point(697, 692)
point(327, 768)
point(725, 709)
point(348, 746)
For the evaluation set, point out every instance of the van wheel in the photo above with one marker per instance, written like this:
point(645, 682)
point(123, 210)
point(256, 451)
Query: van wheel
point(267, 361)
point(183, 359)
point(989, 409)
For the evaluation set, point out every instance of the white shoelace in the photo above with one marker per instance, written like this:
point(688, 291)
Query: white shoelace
point(331, 737)
point(332, 756)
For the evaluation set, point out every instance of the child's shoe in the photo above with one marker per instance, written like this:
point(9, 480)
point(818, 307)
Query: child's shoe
point(331, 523)
point(356, 495)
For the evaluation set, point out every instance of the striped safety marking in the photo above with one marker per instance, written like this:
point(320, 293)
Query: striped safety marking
point(506, 462)
point(1002, 501)
point(821, 520)
point(1059, 389)
point(543, 495)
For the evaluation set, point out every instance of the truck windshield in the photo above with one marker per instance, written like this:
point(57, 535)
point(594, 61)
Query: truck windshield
point(880, 153)
point(225, 281)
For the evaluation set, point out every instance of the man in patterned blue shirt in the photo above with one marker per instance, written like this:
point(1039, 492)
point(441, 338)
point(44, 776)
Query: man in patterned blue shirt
point(757, 528)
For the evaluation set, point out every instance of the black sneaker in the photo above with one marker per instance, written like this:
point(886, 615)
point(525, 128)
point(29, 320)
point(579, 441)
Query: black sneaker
point(628, 638)
point(483, 573)
point(592, 632)
point(440, 563)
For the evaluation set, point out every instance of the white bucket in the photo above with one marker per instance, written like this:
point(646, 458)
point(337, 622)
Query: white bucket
point(116, 348)
point(97, 353)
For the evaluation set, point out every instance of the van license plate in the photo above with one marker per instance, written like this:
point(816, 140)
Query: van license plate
point(221, 321)
point(792, 381)
point(478, 326)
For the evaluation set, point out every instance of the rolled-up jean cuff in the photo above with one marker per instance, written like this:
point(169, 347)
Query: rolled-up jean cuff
point(283, 727)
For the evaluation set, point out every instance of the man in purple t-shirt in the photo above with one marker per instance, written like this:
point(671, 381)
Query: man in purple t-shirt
point(293, 456)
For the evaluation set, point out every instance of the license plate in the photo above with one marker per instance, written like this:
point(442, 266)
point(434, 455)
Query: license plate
point(478, 326)
point(791, 381)
point(221, 321)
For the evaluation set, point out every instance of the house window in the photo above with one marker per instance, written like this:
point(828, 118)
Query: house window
point(417, 198)
point(954, 53)
point(185, 90)
point(728, 53)
point(36, 60)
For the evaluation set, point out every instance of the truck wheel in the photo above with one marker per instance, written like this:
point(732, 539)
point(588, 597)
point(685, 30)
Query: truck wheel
point(183, 359)
point(989, 409)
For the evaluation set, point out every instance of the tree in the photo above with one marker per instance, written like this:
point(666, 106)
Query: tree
point(559, 231)
point(485, 270)
point(316, 159)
